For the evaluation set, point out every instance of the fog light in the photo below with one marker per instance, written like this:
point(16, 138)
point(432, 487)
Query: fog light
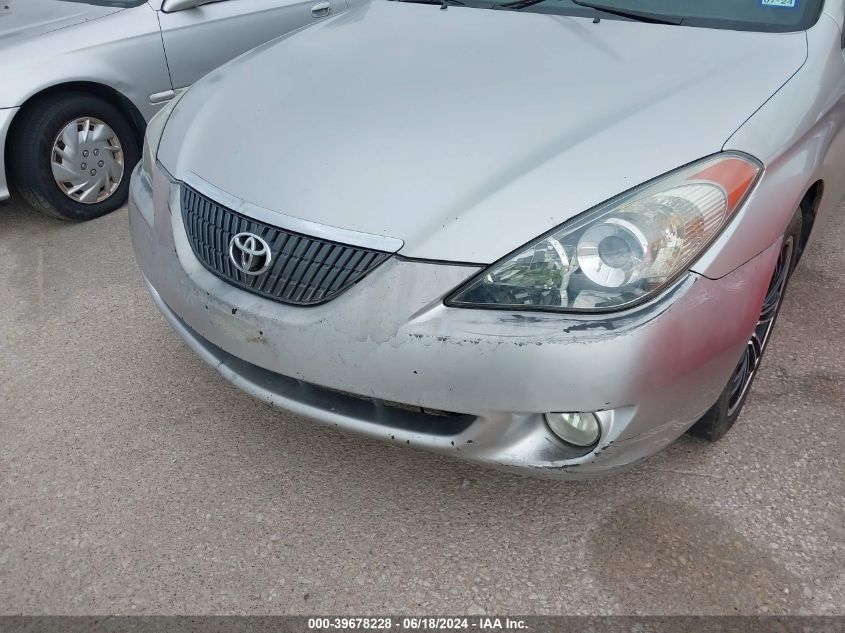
point(578, 429)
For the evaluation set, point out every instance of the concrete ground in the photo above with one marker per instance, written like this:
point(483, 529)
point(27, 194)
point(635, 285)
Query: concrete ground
point(133, 479)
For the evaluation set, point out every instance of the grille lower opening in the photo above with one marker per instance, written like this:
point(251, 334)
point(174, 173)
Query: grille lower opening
point(413, 408)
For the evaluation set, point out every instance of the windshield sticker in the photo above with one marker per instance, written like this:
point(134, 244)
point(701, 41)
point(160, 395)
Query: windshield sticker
point(787, 4)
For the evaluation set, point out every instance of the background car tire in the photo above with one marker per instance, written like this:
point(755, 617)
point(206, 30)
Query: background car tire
point(31, 156)
point(715, 424)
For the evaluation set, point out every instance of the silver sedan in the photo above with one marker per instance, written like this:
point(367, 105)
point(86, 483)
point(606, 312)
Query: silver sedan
point(79, 79)
point(545, 235)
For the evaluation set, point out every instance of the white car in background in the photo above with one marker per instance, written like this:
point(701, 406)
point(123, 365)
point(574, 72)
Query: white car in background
point(80, 79)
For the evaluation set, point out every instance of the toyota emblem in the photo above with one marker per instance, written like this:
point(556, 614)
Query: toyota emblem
point(249, 253)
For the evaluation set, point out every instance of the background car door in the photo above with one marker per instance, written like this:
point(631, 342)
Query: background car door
point(199, 39)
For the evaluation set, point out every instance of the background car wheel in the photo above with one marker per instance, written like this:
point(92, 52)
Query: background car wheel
point(72, 155)
point(714, 424)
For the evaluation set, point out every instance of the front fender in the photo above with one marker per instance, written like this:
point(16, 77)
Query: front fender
point(122, 51)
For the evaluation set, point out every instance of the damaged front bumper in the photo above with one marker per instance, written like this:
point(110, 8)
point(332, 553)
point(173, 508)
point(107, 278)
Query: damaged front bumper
point(387, 358)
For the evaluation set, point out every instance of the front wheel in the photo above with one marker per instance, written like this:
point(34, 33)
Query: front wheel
point(72, 155)
point(715, 424)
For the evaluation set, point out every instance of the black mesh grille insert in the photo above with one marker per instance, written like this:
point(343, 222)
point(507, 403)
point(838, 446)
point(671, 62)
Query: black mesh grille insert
point(304, 270)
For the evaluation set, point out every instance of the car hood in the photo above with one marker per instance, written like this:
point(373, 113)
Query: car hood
point(466, 132)
point(23, 19)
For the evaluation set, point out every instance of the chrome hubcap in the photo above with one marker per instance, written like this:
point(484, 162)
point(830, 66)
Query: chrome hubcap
point(87, 160)
point(750, 361)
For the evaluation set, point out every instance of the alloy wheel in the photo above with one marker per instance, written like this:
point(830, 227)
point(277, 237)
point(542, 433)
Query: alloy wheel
point(749, 363)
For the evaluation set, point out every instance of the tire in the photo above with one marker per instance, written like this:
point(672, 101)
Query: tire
point(719, 419)
point(38, 151)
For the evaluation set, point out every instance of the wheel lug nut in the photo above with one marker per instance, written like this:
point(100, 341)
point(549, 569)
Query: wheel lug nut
point(85, 153)
point(101, 163)
point(84, 166)
point(93, 172)
point(96, 152)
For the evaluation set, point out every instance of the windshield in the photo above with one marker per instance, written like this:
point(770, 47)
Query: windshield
point(742, 15)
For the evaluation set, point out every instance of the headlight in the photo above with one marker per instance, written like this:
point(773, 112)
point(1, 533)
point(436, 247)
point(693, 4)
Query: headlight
point(155, 128)
point(623, 251)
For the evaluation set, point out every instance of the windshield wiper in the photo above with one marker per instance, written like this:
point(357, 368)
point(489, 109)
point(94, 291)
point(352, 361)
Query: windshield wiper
point(518, 5)
point(627, 13)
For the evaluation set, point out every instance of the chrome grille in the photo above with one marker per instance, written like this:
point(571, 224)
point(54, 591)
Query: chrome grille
point(304, 271)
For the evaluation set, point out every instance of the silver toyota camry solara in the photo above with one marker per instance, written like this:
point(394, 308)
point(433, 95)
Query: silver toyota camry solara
point(542, 234)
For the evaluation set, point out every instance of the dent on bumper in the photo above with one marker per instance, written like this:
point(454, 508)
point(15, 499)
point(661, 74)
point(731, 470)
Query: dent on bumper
point(650, 372)
point(6, 116)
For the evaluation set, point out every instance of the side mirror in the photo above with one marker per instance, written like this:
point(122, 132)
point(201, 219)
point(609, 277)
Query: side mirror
point(171, 6)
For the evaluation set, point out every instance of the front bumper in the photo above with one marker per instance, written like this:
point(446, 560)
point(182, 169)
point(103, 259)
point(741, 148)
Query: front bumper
point(650, 372)
point(6, 116)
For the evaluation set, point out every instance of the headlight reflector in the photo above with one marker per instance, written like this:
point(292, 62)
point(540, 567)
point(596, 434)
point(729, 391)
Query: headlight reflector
point(624, 250)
